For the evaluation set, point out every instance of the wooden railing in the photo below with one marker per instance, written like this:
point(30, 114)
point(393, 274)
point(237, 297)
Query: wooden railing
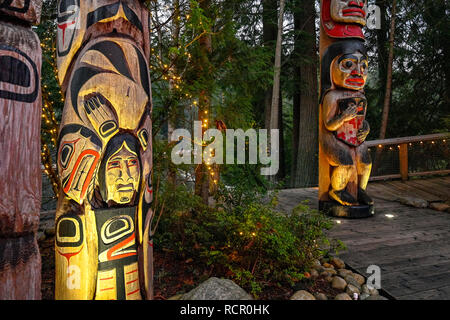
point(402, 145)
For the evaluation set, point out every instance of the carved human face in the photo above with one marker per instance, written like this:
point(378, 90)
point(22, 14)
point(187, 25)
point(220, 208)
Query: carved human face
point(349, 11)
point(68, 25)
point(122, 175)
point(350, 71)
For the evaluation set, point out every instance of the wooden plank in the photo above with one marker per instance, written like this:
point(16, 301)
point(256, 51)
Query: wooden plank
point(428, 173)
point(410, 191)
point(431, 188)
point(441, 293)
point(383, 178)
point(398, 141)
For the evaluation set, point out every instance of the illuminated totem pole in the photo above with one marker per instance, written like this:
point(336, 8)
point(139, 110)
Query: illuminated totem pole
point(20, 149)
point(104, 246)
point(344, 160)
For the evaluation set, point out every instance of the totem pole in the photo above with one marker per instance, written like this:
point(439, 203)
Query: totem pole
point(20, 150)
point(104, 247)
point(344, 160)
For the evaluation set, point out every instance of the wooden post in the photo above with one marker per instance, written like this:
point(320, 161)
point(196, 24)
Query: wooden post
point(403, 157)
point(20, 163)
point(104, 246)
point(344, 161)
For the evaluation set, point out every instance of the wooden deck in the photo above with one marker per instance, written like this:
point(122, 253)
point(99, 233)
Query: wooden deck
point(410, 245)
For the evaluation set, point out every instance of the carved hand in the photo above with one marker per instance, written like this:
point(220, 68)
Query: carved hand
point(350, 113)
point(100, 115)
point(363, 132)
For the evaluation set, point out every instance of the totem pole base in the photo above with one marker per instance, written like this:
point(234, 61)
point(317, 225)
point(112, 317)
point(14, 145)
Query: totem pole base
point(335, 209)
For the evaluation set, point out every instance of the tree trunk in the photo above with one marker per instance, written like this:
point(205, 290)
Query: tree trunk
point(282, 169)
point(387, 97)
point(269, 19)
point(172, 120)
point(305, 113)
point(274, 109)
point(202, 177)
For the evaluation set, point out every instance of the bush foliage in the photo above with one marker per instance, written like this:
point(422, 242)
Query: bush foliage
point(243, 237)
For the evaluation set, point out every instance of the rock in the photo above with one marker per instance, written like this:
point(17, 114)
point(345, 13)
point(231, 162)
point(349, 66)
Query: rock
point(323, 260)
point(373, 292)
point(439, 206)
point(361, 280)
point(344, 272)
point(329, 279)
point(338, 283)
point(342, 296)
point(217, 289)
point(50, 232)
point(316, 263)
point(350, 280)
point(314, 273)
point(328, 266)
point(365, 289)
point(319, 269)
point(302, 295)
point(338, 263)
point(413, 202)
point(377, 297)
point(351, 290)
point(320, 296)
point(177, 297)
point(325, 274)
point(364, 296)
point(330, 271)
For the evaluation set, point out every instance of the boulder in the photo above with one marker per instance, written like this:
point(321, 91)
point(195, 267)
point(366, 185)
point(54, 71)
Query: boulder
point(439, 206)
point(314, 273)
point(338, 283)
point(342, 296)
point(351, 280)
point(344, 272)
point(320, 296)
point(337, 263)
point(351, 290)
point(302, 295)
point(217, 289)
point(361, 280)
point(413, 202)
point(377, 297)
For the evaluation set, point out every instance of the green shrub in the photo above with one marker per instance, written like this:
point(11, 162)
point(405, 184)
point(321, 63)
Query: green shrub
point(244, 238)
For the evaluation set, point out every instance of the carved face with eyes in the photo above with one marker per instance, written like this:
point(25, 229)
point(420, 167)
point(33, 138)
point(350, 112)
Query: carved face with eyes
point(350, 71)
point(122, 175)
point(349, 11)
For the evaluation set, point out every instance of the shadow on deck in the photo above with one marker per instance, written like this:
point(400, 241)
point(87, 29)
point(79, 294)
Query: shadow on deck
point(410, 245)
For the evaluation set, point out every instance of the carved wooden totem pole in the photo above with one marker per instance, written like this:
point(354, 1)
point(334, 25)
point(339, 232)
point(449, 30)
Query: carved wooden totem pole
point(20, 149)
point(344, 160)
point(104, 246)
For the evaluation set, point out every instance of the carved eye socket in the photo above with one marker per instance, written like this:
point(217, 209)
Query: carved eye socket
point(364, 67)
point(132, 163)
point(113, 165)
point(348, 64)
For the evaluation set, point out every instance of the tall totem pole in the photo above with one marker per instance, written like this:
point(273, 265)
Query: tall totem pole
point(344, 160)
point(20, 149)
point(104, 246)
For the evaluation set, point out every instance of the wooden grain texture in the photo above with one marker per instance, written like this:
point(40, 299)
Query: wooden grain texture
point(20, 187)
point(103, 243)
point(26, 10)
point(344, 162)
point(411, 248)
